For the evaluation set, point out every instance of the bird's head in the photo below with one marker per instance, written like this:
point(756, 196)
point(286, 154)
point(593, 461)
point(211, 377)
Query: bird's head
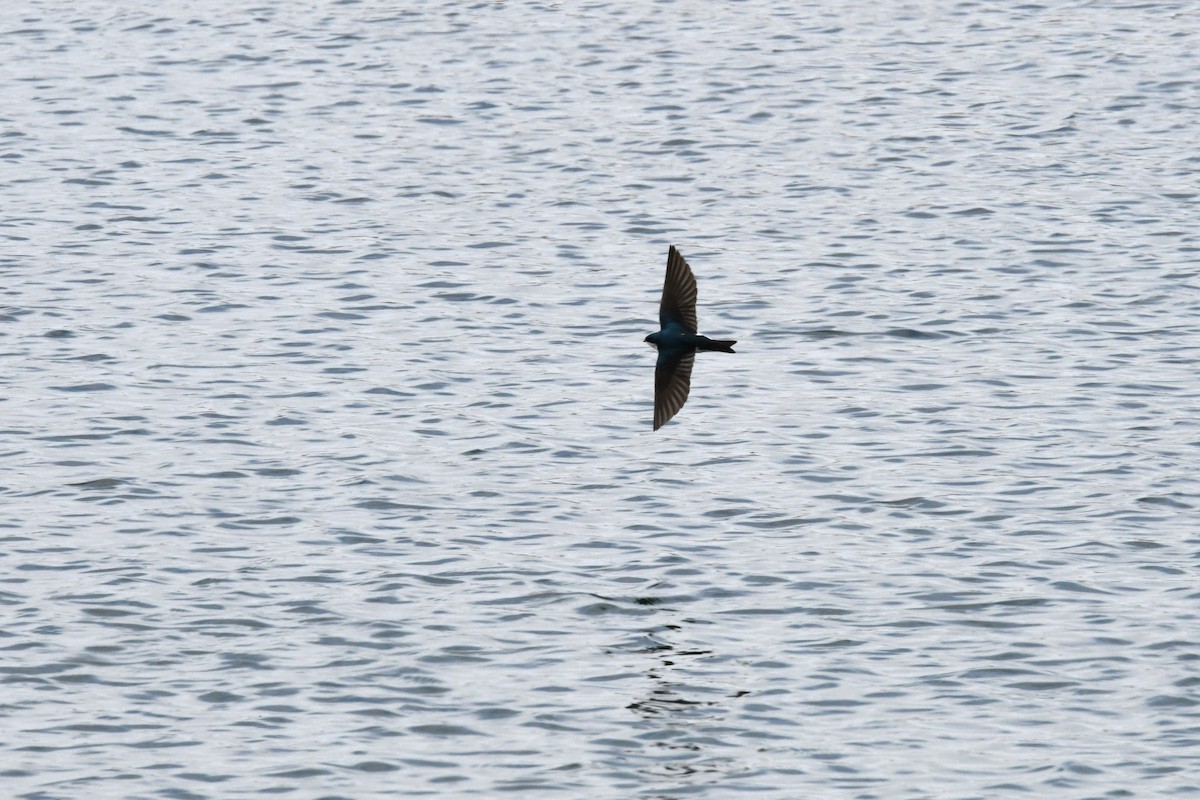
point(652, 340)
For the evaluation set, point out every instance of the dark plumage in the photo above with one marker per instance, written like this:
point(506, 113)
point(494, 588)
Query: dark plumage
point(678, 340)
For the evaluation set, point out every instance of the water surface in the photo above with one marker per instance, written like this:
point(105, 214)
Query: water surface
point(327, 461)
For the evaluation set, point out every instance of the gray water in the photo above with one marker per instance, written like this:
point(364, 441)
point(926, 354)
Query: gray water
point(327, 463)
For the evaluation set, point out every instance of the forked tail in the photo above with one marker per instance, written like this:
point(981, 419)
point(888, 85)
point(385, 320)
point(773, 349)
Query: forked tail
point(720, 345)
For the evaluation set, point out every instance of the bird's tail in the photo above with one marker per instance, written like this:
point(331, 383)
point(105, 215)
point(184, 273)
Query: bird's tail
point(722, 345)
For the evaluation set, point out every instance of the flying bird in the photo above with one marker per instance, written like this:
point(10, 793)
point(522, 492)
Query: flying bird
point(678, 341)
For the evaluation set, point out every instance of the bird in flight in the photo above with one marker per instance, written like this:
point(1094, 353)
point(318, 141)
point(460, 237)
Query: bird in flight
point(678, 341)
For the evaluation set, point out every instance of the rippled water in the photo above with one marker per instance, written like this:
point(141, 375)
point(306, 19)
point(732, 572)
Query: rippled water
point(327, 461)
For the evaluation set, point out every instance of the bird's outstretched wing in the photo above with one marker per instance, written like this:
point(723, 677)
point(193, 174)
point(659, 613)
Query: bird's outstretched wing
point(672, 381)
point(679, 296)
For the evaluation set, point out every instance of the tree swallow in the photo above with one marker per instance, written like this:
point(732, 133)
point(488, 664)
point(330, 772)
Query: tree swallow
point(678, 341)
